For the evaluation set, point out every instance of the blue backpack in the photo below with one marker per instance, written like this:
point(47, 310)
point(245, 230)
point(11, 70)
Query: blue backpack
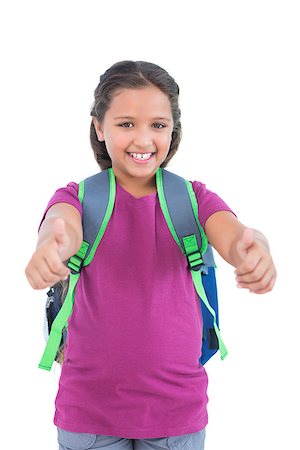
point(180, 208)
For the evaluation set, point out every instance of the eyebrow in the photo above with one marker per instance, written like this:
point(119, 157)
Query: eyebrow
point(131, 118)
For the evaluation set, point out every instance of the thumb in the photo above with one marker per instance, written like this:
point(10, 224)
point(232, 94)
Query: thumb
point(60, 234)
point(245, 242)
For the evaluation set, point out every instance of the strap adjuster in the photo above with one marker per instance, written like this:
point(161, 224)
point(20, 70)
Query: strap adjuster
point(192, 251)
point(195, 261)
point(75, 264)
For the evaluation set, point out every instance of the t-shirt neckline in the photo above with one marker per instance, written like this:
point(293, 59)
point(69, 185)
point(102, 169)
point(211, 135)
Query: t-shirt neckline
point(137, 199)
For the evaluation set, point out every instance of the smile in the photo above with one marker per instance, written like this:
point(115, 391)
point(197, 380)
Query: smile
point(140, 157)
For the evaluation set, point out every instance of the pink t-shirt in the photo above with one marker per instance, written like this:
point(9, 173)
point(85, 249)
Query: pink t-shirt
point(134, 338)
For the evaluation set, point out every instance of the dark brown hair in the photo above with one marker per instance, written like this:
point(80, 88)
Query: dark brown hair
point(133, 75)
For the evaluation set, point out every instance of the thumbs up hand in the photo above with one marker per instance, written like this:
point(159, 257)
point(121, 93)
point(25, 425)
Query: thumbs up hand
point(256, 270)
point(46, 266)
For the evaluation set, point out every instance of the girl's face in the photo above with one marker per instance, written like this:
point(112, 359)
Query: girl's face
point(138, 121)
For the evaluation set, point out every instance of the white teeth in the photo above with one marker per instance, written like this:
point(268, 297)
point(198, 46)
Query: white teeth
point(140, 155)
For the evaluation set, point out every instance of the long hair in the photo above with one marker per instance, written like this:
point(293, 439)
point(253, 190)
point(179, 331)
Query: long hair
point(133, 75)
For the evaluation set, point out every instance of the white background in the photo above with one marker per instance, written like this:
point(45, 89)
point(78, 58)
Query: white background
point(237, 65)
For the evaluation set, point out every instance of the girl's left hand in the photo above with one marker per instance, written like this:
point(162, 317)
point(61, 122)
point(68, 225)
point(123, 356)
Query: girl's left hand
point(256, 272)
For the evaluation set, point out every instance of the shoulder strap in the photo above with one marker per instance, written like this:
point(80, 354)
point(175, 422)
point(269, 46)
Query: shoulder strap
point(180, 209)
point(98, 199)
point(97, 195)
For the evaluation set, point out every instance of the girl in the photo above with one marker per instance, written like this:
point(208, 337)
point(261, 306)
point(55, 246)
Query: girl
point(131, 375)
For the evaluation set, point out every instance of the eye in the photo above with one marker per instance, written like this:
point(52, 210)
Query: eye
point(160, 125)
point(125, 124)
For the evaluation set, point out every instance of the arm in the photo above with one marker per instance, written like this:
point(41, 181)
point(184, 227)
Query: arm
point(60, 237)
point(244, 248)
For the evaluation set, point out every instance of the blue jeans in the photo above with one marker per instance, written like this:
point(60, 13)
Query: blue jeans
point(83, 441)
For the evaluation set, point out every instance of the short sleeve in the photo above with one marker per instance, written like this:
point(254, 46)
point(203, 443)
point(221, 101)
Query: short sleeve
point(208, 202)
point(68, 194)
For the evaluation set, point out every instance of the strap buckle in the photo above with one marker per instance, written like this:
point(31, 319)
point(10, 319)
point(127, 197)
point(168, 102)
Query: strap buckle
point(195, 260)
point(75, 264)
point(192, 252)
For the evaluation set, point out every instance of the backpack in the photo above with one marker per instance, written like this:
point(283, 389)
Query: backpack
point(180, 208)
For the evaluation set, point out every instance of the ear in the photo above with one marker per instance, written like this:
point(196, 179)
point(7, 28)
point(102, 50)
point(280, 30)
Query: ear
point(98, 128)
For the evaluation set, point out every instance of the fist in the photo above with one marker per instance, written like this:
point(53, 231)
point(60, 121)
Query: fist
point(256, 272)
point(46, 266)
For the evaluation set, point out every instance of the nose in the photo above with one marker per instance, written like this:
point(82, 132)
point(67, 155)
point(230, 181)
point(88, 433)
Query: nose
point(143, 137)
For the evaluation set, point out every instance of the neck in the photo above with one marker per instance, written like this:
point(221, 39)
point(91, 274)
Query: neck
point(136, 184)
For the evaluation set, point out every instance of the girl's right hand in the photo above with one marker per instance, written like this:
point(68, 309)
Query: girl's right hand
point(46, 266)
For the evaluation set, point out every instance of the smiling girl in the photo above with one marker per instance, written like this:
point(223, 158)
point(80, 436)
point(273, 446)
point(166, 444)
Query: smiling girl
point(131, 377)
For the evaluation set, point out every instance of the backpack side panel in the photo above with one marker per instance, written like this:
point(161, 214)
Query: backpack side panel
point(182, 219)
point(210, 343)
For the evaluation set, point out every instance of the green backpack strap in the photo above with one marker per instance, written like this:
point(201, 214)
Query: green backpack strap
point(197, 280)
point(190, 236)
point(97, 195)
point(59, 323)
point(194, 255)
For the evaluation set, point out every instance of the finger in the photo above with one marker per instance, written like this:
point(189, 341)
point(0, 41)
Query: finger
point(259, 284)
point(37, 281)
point(34, 276)
point(249, 264)
point(43, 274)
point(257, 273)
point(31, 281)
point(268, 288)
point(55, 265)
